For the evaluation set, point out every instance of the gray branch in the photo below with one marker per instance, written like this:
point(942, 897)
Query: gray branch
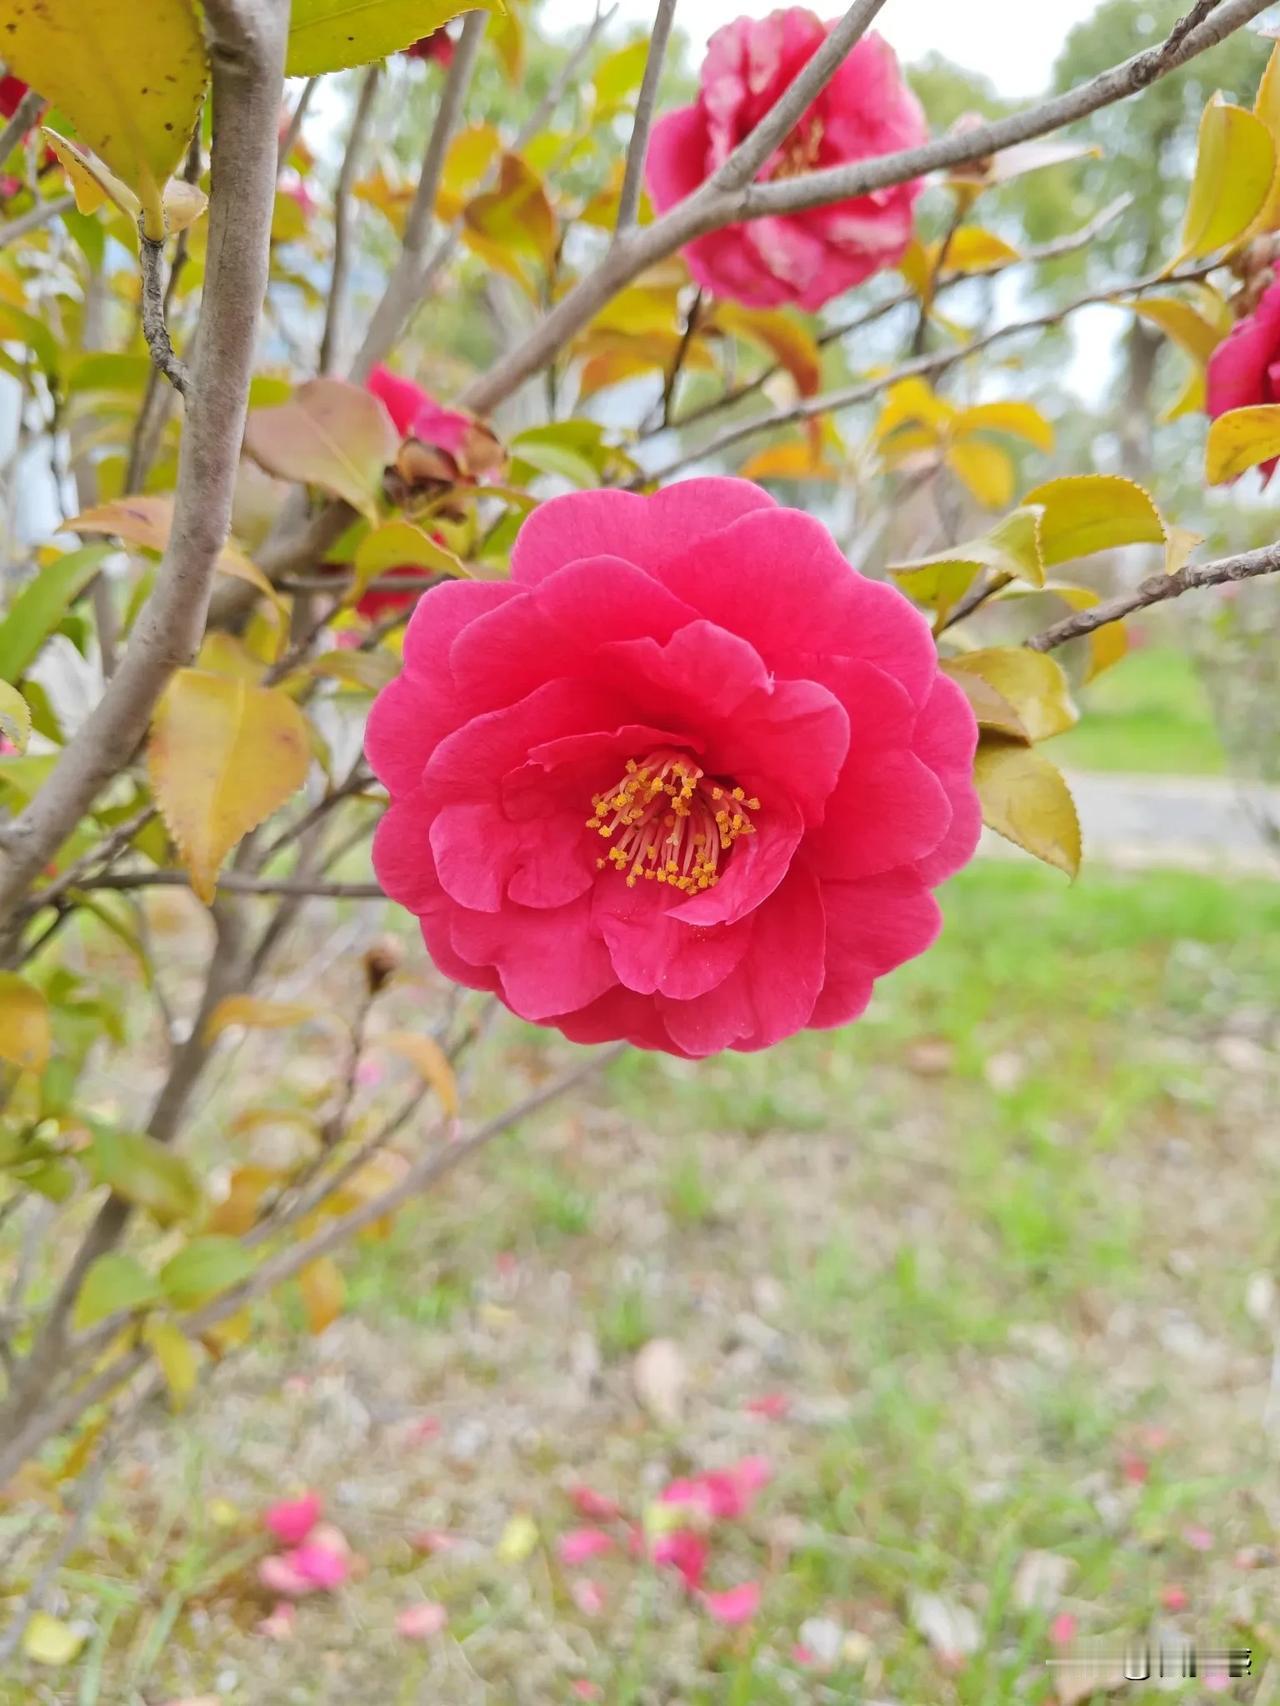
point(342, 217)
point(646, 101)
point(154, 328)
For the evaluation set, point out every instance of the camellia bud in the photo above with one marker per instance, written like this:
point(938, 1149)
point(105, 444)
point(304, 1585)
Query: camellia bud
point(381, 963)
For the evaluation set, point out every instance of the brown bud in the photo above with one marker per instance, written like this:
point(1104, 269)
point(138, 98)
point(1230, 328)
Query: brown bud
point(381, 962)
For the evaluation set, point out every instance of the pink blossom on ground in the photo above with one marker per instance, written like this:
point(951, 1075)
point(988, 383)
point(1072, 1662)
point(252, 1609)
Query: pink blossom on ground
point(734, 1605)
point(433, 1540)
point(1174, 1598)
point(291, 1520)
point(584, 1690)
point(866, 110)
point(1134, 1468)
point(685, 1552)
point(279, 1575)
point(769, 1406)
point(278, 1625)
point(581, 1544)
point(324, 1559)
point(1062, 1631)
point(597, 1507)
point(721, 1495)
point(588, 1596)
point(686, 778)
point(801, 1655)
point(1199, 1539)
point(1244, 370)
point(421, 1622)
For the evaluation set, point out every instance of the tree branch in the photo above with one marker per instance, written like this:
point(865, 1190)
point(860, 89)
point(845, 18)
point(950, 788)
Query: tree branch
point(236, 882)
point(1158, 589)
point(342, 216)
point(404, 287)
point(154, 329)
point(247, 51)
point(646, 101)
point(709, 207)
point(24, 115)
point(41, 214)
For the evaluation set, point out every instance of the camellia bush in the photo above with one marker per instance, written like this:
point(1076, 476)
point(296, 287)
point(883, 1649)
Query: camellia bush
point(421, 498)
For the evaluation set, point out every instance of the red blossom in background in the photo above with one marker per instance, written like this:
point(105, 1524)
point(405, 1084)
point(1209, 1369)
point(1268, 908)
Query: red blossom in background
point(687, 778)
point(1244, 370)
point(438, 46)
point(866, 110)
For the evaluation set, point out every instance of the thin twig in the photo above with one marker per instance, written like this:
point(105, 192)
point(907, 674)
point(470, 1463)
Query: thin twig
point(154, 328)
point(404, 287)
point(24, 115)
point(235, 882)
point(41, 214)
point(646, 101)
point(296, 117)
point(342, 216)
point(1157, 589)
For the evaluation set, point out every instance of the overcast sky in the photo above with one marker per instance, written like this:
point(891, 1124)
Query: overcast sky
point(1014, 42)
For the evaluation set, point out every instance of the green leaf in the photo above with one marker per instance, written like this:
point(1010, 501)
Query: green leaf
point(176, 1355)
point(332, 35)
point(395, 545)
point(129, 74)
point(516, 217)
point(144, 1172)
point(1011, 547)
point(114, 1282)
point(204, 1268)
point(15, 717)
point(620, 73)
point(1084, 513)
point(1240, 440)
point(41, 605)
point(25, 1033)
point(1025, 799)
point(328, 434)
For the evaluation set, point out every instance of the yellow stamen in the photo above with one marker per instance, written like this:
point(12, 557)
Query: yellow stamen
point(668, 826)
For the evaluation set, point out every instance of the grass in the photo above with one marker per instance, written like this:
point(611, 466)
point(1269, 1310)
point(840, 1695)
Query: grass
point(992, 1245)
point(1148, 715)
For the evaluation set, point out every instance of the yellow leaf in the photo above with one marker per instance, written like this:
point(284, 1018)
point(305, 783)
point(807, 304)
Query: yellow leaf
point(1032, 682)
point(784, 335)
point(237, 1213)
point(176, 1356)
point(519, 1538)
point(223, 755)
point(1190, 400)
point(1180, 321)
point(15, 717)
point(328, 434)
point(324, 1292)
point(49, 1641)
point(939, 586)
point(430, 1062)
point(25, 1033)
point(991, 709)
point(516, 216)
point(1267, 108)
point(147, 520)
point(1084, 513)
point(1178, 546)
point(395, 545)
point(1025, 799)
point(91, 182)
point(1235, 164)
point(258, 1014)
point(973, 250)
point(911, 400)
point(1019, 420)
point(796, 461)
point(333, 35)
point(984, 469)
point(129, 76)
point(1239, 440)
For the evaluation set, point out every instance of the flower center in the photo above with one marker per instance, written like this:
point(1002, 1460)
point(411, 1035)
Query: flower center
point(670, 822)
point(799, 153)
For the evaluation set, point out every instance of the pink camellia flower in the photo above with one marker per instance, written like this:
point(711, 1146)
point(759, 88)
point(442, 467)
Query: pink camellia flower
point(686, 778)
point(1244, 370)
point(581, 1544)
point(291, 1520)
point(866, 110)
point(420, 1622)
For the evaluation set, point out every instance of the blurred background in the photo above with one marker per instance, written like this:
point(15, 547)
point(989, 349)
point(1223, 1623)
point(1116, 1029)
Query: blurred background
point(984, 1286)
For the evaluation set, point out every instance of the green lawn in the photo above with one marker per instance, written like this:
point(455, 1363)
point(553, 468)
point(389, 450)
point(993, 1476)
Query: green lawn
point(1149, 714)
point(992, 1245)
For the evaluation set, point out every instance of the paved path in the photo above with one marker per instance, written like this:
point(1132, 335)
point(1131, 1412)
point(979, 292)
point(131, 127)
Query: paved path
point(1188, 822)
